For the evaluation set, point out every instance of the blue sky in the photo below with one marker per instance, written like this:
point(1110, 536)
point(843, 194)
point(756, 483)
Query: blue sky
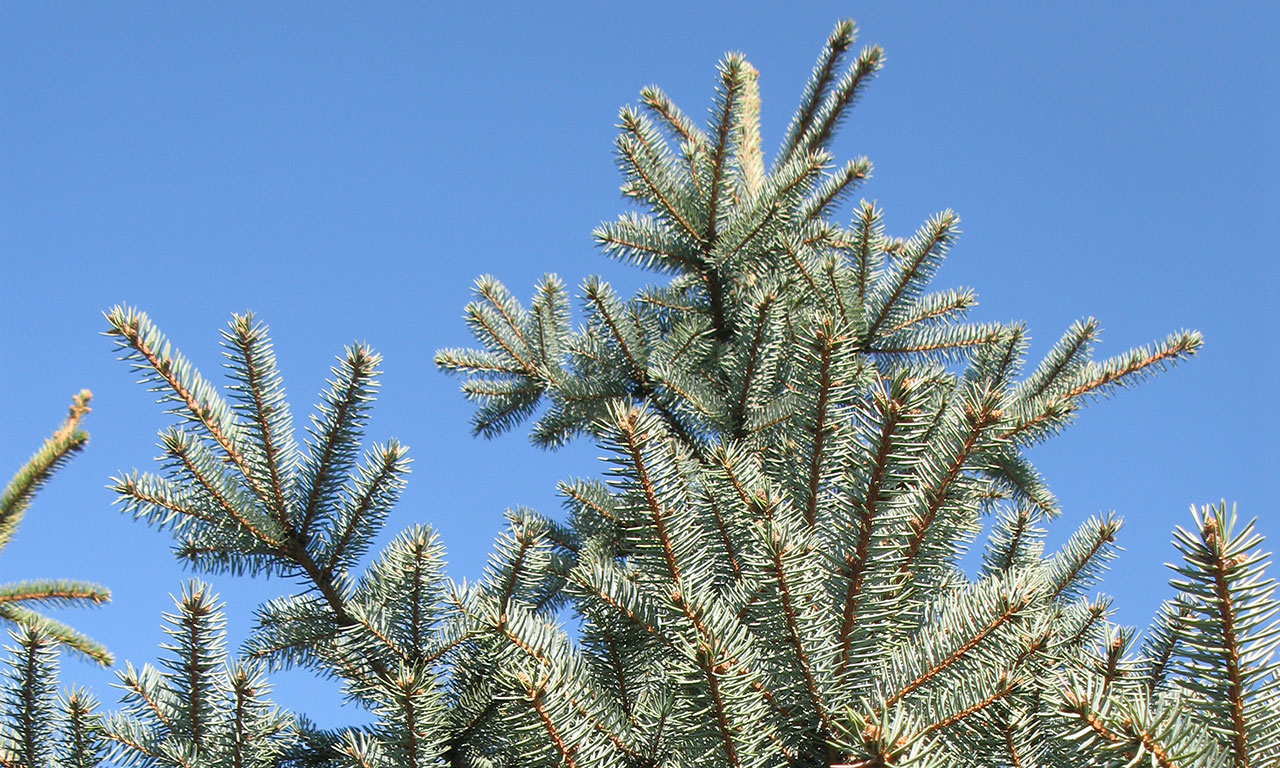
point(347, 171)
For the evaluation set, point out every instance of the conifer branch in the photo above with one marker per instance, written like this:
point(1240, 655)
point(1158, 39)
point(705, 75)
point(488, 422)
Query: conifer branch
point(837, 187)
point(138, 335)
point(600, 297)
point(58, 593)
point(829, 268)
point(1011, 747)
point(622, 610)
point(480, 321)
point(937, 346)
point(978, 421)
point(1219, 567)
point(789, 610)
point(866, 242)
point(754, 350)
point(360, 366)
point(721, 457)
point(951, 304)
point(1099, 378)
point(1005, 688)
point(1132, 740)
point(535, 701)
point(66, 440)
point(731, 76)
point(1096, 612)
point(1175, 348)
point(1013, 346)
point(81, 745)
point(723, 727)
point(1012, 607)
point(801, 175)
point(64, 635)
point(662, 200)
point(793, 255)
point(826, 346)
point(627, 428)
point(138, 498)
point(1069, 350)
point(824, 74)
point(935, 237)
point(248, 337)
point(179, 447)
point(619, 672)
point(1082, 553)
point(845, 93)
point(856, 563)
point(613, 240)
point(725, 540)
point(388, 468)
point(1162, 642)
point(1017, 536)
point(35, 647)
point(658, 103)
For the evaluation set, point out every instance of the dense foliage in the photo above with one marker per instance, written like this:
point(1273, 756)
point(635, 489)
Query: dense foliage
point(804, 441)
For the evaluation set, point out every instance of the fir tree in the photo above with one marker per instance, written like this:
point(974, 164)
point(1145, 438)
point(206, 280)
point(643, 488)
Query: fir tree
point(804, 439)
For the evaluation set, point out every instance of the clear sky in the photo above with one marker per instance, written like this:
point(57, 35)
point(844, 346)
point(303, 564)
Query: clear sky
point(347, 171)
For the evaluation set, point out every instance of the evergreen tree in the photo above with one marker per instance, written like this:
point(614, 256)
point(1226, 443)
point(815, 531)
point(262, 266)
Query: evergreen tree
point(804, 441)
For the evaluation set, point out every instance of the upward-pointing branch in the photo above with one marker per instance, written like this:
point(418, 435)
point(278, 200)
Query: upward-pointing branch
point(65, 441)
